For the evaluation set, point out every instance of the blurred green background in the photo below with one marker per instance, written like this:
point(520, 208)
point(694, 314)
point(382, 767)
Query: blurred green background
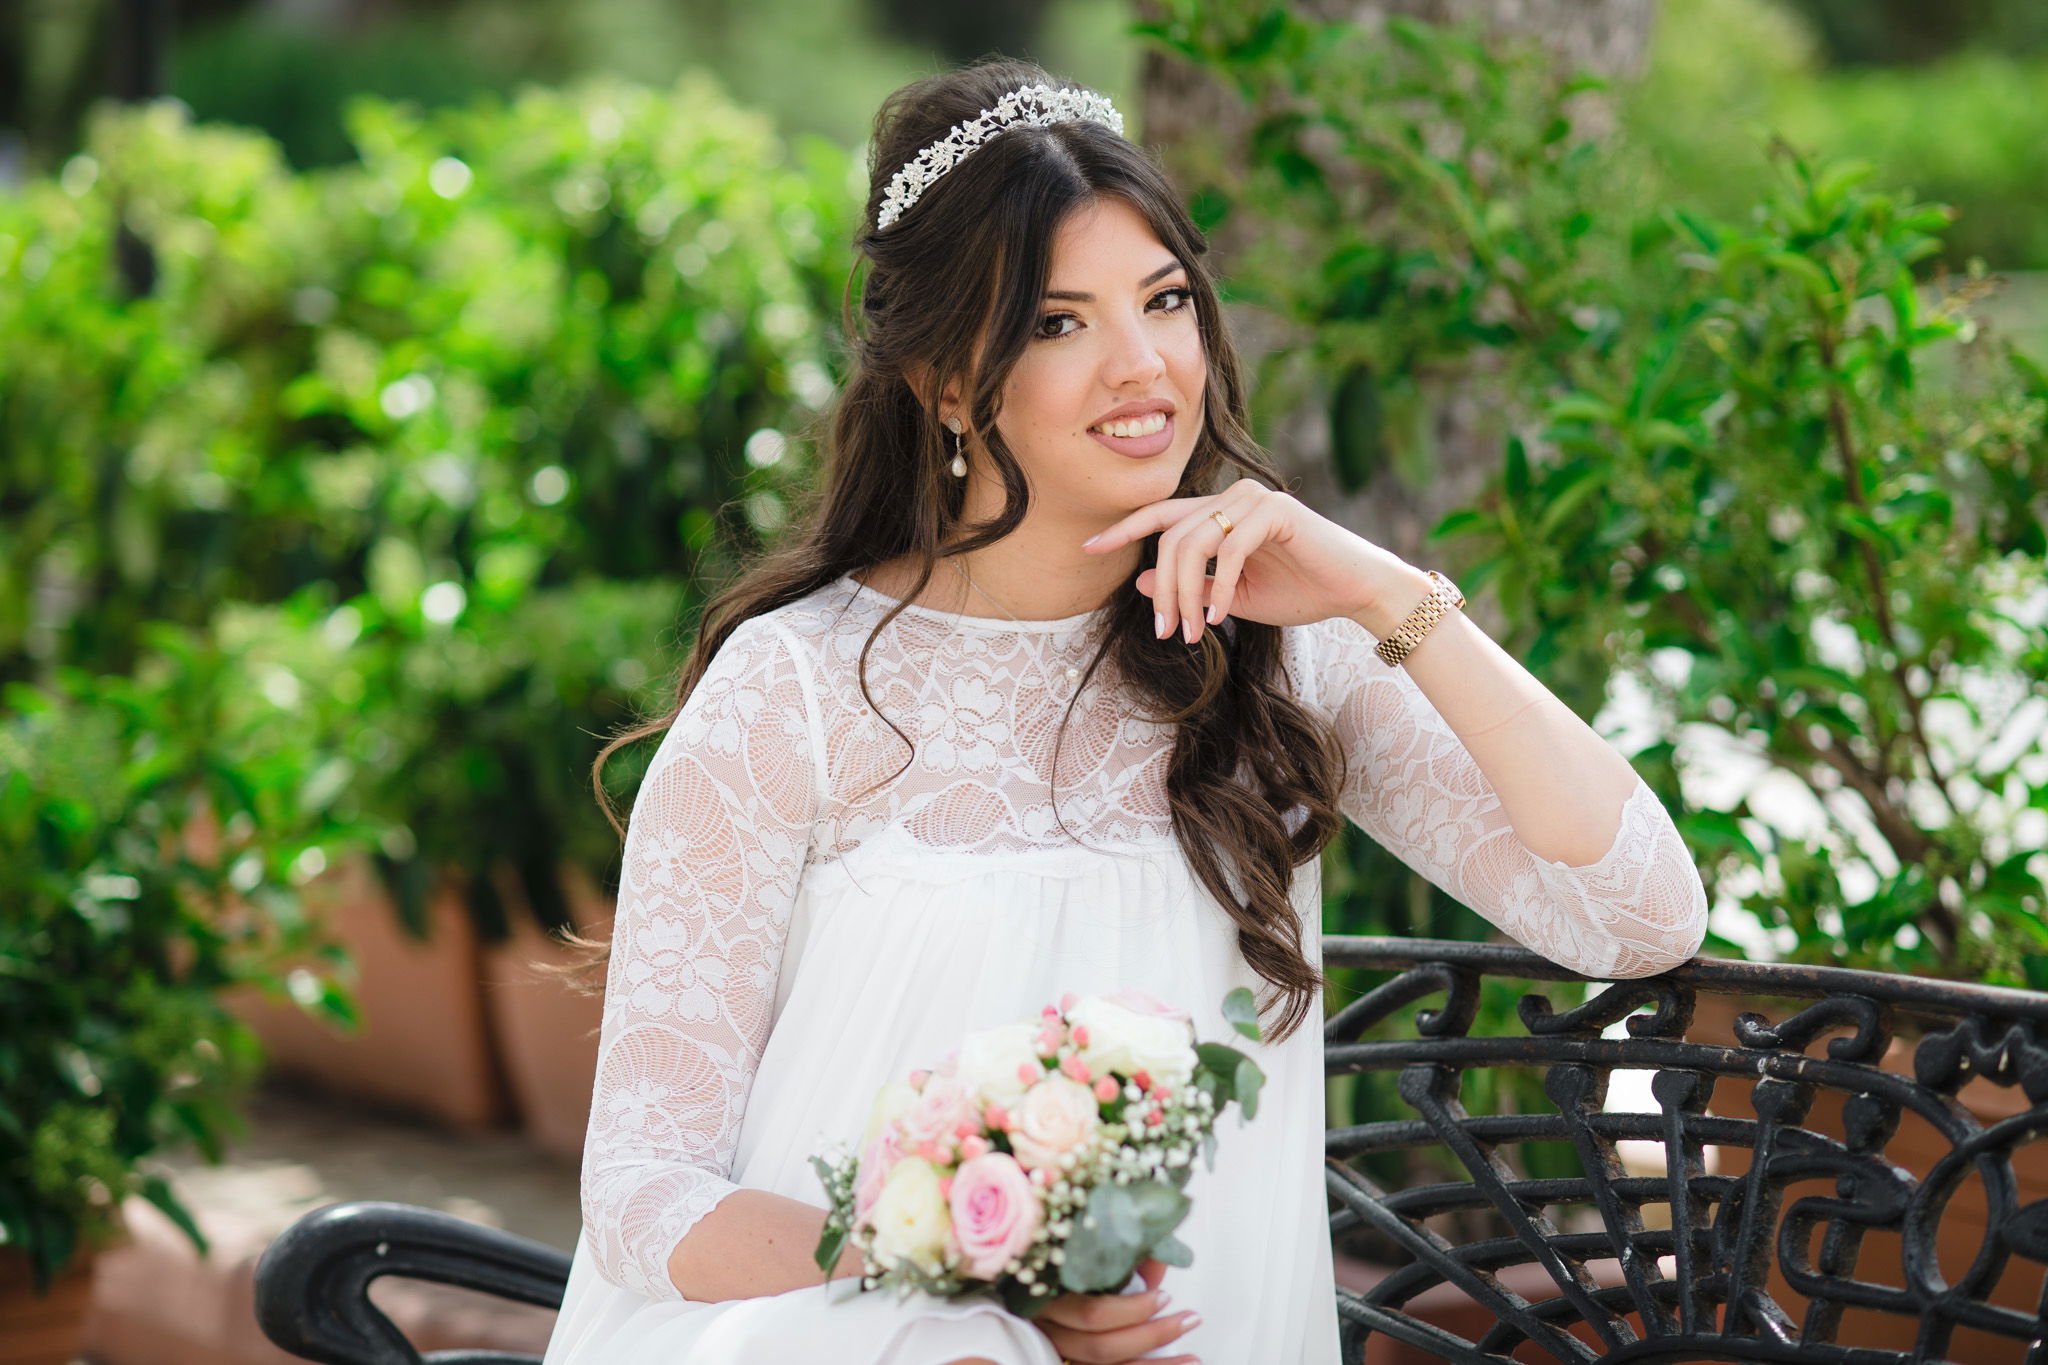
point(384, 382)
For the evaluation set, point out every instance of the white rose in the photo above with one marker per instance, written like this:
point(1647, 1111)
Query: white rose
point(989, 1061)
point(891, 1101)
point(1126, 1041)
point(910, 1217)
point(1057, 1115)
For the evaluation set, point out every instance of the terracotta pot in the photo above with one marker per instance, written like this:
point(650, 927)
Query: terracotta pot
point(44, 1329)
point(1916, 1147)
point(546, 1033)
point(425, 1046)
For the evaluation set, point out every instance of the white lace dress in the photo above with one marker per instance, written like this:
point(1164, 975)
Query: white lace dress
point(798, 923)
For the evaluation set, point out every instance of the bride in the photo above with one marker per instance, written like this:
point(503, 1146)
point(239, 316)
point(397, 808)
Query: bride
point(1055, 689)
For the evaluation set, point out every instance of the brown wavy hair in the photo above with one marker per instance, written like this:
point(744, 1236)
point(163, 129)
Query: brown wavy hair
point(952, 293)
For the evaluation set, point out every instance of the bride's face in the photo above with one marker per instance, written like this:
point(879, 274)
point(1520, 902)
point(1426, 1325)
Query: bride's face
point(1103, 408)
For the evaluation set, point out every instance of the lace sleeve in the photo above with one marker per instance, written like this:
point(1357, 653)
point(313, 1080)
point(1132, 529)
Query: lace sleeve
point(719, 833)
point(1412, 785)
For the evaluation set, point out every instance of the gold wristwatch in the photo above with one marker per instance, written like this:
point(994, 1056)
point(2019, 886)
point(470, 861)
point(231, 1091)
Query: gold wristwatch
point(1443, 597)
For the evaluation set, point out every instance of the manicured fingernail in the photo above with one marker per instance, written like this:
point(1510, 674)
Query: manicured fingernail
point(1159, 624)
point(1187, 631)
point(1191, 1321)
point(1091, 540)
point(1215, 614)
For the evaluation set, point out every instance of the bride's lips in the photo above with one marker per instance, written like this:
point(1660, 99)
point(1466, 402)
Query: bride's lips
point(1138, 447)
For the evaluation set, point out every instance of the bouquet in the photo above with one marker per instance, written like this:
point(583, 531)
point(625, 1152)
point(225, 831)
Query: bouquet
point(1040, 1156)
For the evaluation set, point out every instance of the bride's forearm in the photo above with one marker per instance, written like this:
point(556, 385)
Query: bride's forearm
point(1561, 785)
point(753, 1244)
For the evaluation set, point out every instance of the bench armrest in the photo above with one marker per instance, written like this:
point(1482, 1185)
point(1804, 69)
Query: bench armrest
point(312, 1283)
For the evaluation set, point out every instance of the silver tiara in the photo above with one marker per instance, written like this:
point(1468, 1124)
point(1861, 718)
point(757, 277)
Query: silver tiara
point(1032, 104)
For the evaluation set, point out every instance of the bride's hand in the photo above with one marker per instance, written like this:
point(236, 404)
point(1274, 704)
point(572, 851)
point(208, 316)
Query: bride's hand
point(1112, 1329)
point(1280, 563)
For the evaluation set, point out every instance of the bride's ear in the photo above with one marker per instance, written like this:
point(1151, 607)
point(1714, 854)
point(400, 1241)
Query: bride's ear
point(922, 381)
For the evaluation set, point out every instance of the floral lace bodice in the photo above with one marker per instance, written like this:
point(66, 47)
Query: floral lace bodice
point(777, 762)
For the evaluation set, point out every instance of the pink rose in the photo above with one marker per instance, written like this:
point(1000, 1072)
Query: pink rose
point(1057, 1116)
point(995, 1211)
point(942, 1109)
point(881, 1154)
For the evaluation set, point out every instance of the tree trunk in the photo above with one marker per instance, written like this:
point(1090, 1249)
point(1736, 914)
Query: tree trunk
point(1188, 120)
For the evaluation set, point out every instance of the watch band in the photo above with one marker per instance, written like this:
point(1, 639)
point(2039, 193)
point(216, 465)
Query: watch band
point(1443, 597)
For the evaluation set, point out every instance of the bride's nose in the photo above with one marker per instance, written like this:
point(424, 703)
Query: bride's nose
point(1131, 358)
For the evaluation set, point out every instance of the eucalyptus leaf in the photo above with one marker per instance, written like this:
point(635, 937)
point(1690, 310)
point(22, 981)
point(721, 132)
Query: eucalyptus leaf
point(1241, 1011)
point(1249, 1079)
point(1106, 1242)
point(1171, 1250)
point(1220, 1060)
point(1117, 1228)
point(1159, 1207)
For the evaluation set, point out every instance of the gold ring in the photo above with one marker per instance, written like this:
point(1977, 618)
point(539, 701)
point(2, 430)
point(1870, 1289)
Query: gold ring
point(1222, 520)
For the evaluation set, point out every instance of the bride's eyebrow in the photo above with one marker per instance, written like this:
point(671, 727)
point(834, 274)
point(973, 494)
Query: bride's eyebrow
point(1074, 296)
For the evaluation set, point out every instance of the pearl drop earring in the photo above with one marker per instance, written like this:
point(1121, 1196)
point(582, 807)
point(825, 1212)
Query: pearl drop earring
point(959, 465)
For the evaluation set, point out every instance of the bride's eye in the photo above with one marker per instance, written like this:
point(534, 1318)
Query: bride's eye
point(1180, 291)
point(1054, 319)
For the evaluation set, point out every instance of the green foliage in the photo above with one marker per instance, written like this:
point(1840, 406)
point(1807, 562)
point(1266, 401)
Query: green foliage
point(1801, 546)
point(292, 81)
point(1241, 1010)
point(1726, 479)
point(1120, 1226)
point(1860, 31)
point(1970, 129)
point(1409, 214)
point(1227, 1074)
point(488, 398)
point(155, 833)
point(351, 509)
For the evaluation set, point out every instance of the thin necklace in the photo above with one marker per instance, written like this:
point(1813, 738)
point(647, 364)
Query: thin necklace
point(961, 565)
point(1073, 673)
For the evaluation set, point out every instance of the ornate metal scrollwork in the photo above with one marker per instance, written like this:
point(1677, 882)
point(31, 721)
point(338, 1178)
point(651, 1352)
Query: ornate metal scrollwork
point(1792, 1222)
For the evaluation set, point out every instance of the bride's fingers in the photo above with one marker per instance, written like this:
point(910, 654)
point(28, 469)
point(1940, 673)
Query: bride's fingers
point(1230, 558)
point(1120, 1343)
point(1141, 523)
point(1184, 550)
point(1208, 540)
point(1147, 584)
point(1168, 582)
point(1189, 534)
point(1194, 577)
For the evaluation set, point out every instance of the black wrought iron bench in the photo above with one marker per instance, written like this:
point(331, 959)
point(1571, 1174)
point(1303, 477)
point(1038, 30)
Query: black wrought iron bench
point(1773, 1233)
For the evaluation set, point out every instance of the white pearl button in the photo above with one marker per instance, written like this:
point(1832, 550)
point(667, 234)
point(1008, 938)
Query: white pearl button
point(1072, 673)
